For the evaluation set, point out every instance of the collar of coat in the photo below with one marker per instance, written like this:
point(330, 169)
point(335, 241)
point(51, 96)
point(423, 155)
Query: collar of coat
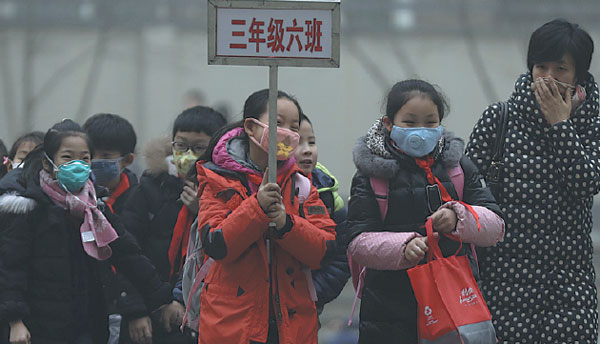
point(231, 153)
point(372, 163)
point(528, 108)
point(221, 178)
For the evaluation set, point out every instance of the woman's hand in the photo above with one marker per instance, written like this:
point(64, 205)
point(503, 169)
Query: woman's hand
point(140, 330)
point(19, 334)
point(415, 250)
point(444, 220)
point(189, 196)
point(554, 108)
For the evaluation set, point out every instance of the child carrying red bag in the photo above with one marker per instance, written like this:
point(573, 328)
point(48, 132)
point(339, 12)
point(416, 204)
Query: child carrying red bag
point(451, 308)
point(409, 149)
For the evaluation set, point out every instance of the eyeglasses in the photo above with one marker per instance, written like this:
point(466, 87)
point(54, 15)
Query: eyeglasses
point(184, 147)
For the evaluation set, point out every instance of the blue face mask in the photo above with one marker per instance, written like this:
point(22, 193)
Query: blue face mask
point(106, 170)
point(416, 142)
point(72, 175)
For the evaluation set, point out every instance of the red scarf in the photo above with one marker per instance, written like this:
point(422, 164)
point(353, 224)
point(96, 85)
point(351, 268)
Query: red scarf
point(121, 188)
point(426, 163)
point(179, 240)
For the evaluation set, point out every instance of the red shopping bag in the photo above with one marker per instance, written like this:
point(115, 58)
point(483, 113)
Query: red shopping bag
point(450, 306)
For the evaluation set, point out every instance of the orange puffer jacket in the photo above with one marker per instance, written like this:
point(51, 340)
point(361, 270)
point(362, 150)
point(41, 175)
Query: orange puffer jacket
point(233, 226)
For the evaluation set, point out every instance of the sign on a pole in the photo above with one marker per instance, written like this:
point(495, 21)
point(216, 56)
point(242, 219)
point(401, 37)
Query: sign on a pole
point(282, 33)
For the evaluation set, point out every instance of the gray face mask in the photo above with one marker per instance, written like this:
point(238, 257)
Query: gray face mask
point(106, 170)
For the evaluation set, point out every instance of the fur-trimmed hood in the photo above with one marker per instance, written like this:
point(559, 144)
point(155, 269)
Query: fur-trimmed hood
point(158, 156)
point(372, 155)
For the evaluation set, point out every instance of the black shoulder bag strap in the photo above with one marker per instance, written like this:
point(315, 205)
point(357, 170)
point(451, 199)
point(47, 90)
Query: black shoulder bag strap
point(493, 176)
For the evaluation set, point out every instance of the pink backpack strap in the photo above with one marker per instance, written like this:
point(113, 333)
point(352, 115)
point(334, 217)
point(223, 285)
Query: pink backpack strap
point(197, 283)
point(381, 189)
point(357, 295)
point(457, 176)
point(303, 185)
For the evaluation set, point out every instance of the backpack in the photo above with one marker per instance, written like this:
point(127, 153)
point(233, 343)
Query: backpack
point(195, 269)
point(381, 190)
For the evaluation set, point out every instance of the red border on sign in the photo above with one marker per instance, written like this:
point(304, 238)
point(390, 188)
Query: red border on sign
point(239, 22)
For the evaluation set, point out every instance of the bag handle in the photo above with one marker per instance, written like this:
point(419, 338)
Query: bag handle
point(434, 248)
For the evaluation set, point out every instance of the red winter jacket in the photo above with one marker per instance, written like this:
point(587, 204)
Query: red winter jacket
point(233, 226)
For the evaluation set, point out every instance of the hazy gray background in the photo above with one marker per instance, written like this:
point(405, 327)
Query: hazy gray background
point(137, 58)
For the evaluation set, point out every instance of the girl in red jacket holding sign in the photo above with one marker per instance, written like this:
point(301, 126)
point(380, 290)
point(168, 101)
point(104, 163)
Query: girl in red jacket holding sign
point(246, 298)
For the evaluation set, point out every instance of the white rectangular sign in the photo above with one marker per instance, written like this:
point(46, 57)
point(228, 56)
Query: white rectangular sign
point(286, 33)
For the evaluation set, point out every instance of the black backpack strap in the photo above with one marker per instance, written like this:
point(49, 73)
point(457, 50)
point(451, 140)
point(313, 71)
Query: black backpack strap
point(493, 175)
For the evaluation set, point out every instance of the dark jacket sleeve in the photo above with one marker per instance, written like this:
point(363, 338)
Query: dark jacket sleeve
point(363, 210)
point(15, 252)
point(137, 268)
point(135, 214)
point(130, 303)
point(136, 220)
point(178, 290)
point(331, 278)
point(475, 191)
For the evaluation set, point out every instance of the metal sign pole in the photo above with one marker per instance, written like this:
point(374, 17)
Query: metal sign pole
point(272, 177)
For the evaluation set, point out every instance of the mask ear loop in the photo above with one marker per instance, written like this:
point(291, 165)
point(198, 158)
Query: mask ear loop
point(121, 169)
point(52, 162)
point(265, 133)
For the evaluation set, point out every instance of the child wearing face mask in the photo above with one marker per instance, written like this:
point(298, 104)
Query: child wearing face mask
point(410, 149)
point(55, 238)
point(159, 213)
point(21, 147)
point(114, 142)
point(259, 288)
point(331, 278)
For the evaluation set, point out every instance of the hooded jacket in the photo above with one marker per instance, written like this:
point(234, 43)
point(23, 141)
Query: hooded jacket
point(47, 280)
point(388, 305)
point(544, 268)
point(331, 278)
point(235, 301)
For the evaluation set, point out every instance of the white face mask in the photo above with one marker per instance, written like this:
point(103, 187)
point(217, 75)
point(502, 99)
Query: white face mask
point(578, 92)
point(18, 164)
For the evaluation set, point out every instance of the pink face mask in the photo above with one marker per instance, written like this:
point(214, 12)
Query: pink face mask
point(287, 141)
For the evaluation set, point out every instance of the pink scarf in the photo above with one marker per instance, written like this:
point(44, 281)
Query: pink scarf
point(96, 231)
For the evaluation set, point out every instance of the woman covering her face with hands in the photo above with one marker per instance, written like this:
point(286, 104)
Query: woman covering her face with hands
point(539, 282)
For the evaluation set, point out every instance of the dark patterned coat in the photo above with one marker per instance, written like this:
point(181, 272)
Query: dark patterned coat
point(539, 282)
